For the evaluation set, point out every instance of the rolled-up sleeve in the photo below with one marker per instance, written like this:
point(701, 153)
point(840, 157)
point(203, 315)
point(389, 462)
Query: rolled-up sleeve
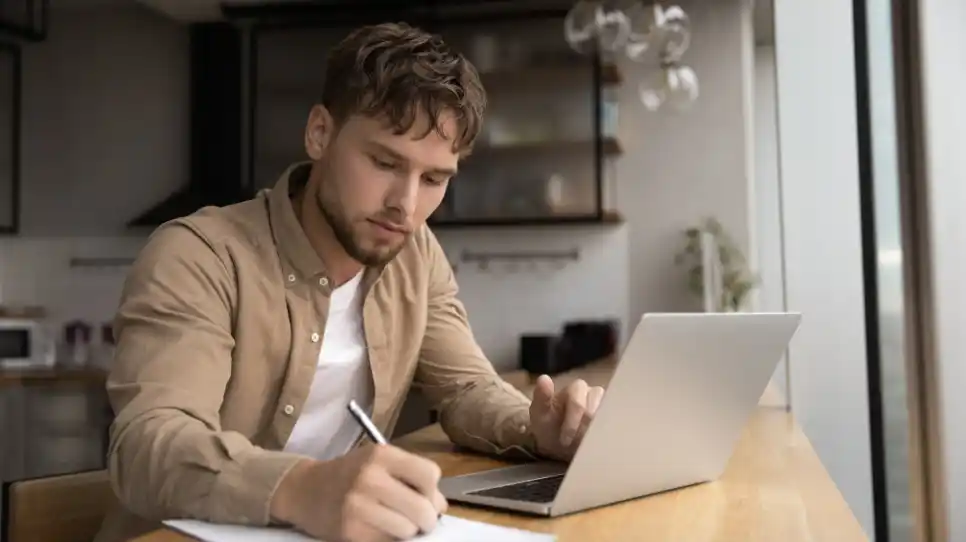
point(169, 457)
point(477, 408)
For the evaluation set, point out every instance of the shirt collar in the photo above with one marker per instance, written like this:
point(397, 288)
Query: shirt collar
point(299, 259)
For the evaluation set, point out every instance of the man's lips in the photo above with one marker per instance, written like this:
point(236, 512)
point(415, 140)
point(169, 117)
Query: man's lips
point(390, 226)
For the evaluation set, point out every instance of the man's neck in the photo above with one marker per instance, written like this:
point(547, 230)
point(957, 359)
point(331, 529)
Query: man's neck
point(339, 266)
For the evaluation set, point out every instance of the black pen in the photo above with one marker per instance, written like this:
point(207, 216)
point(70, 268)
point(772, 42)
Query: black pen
point(370, 428)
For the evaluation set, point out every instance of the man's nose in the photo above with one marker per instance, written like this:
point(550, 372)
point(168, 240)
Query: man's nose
point(406, 194)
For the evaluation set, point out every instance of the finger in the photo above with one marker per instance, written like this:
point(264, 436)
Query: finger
point(543, 395)
point(440, 504)
point(418, 472)
point(397, 496)
point(575, 399)
point(364, 532)
point(584, 425)
point(371, 521)
point(594, 397)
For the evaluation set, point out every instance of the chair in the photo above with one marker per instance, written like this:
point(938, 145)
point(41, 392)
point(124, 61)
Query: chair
point(63, 508)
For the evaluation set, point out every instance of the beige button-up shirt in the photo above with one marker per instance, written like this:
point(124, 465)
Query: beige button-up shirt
point(215, 356)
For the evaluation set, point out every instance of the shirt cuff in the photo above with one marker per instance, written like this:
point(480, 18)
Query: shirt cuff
point(515, 439)
point(244, 491)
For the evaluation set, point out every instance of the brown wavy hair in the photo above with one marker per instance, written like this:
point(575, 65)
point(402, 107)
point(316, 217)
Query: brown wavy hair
point(397, 72)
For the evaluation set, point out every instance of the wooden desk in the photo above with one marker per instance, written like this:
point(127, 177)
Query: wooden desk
point(774, 489)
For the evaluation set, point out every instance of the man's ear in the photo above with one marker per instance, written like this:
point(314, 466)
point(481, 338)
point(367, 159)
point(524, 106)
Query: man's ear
point(318, 132)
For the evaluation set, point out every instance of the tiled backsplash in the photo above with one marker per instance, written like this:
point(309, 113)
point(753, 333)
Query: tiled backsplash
point(506, 299)
point(37, 271)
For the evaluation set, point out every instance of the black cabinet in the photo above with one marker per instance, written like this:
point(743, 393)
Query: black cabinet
point(10, 77)
point(547, 138)
point(24, 19)
point(216, 157)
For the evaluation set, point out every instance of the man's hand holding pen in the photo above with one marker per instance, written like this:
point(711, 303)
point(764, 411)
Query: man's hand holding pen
point(373, 493)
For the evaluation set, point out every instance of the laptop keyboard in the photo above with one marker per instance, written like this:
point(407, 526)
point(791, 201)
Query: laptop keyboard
point(541, 490)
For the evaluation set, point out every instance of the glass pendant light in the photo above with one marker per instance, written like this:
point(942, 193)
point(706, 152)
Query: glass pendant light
point(662, 33)
point(673, 85)
point(613, 27)
point(645, 30)
point(596, 23)
point(580, 26)
point(676, 33)
point(645, 25)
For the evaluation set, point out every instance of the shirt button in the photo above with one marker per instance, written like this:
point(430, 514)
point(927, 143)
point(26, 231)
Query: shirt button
point(315, 337)
point(323, 281)
point(289, 409)
point(523, 429)
point(291, 278)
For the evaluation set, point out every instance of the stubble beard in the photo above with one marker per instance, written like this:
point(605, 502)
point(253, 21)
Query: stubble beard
point(344, 234)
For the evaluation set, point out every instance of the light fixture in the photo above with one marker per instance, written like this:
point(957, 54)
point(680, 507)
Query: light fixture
point(592, 24)
point(673, 85)
point(645, 31)
point(657, 32)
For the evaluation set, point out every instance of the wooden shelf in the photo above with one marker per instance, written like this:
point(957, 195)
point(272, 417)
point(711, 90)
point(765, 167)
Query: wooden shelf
point(552, 75)
point(610, 147)
point(610, 74)
point(609, 218)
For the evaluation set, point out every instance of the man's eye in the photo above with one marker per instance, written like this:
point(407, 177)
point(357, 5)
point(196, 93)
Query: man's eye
point(382, 164)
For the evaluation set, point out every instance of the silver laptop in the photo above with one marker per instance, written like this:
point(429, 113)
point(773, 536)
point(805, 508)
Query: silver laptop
point(676, 405)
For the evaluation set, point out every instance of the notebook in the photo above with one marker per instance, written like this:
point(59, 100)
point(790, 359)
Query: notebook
point(449, 529)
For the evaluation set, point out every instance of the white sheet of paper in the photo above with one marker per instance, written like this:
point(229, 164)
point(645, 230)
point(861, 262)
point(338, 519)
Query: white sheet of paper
point(450, 528)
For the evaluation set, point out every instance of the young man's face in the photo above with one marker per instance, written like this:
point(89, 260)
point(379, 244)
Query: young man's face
point(375, 188)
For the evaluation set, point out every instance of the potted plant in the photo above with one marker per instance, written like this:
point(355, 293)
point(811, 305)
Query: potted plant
point(736, 279)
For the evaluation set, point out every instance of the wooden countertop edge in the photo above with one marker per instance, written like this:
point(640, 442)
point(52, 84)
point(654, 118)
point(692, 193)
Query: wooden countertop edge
point(56, 375)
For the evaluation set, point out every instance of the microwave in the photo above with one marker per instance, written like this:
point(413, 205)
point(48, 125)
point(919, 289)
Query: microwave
point(25, 344)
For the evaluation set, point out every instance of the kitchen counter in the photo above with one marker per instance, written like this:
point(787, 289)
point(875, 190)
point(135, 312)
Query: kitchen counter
point(55, 421)
point(52, 375)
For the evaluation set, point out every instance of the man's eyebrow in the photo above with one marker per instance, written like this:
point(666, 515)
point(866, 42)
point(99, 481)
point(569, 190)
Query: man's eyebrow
point(386, 150)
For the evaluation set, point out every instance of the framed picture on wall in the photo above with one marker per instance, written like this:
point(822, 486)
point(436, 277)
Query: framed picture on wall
point(10, 73)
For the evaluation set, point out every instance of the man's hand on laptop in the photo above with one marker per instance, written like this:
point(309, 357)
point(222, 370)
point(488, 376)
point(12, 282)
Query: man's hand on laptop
point(559, 418)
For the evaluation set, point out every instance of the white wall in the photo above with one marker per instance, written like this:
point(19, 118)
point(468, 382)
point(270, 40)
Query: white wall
point(679, 168)
point(768, 213)
point(943, 40)
point(823, 253)
point(104, 120)
point(104, 117)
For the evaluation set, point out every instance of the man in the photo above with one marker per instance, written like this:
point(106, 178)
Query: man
point(244, 331)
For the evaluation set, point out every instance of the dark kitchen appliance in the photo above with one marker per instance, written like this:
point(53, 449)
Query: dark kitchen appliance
point(580, 343)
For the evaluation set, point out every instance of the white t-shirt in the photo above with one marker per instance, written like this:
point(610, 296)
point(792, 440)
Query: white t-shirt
point(325, 429)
